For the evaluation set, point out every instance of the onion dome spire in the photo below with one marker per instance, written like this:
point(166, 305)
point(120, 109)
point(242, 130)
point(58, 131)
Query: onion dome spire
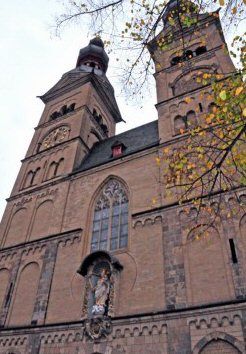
point(94, 55)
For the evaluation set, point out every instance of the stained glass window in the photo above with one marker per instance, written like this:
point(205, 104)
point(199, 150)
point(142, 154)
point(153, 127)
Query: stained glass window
point(110, 222)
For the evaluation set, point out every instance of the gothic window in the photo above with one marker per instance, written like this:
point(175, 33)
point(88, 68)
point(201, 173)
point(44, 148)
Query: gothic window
point(110, 223)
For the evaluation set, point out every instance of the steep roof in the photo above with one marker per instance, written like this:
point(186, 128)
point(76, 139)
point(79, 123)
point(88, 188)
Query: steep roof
point(134, 140)
point(78, 77)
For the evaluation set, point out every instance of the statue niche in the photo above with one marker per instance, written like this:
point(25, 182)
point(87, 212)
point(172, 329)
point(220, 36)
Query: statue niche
point(101, 272)
point(100, 283)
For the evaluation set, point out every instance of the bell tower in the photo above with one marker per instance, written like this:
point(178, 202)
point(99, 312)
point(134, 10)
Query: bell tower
point(80, 110)
point(182, 54)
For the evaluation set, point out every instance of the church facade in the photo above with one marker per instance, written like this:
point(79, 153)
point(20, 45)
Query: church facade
point(87, 264)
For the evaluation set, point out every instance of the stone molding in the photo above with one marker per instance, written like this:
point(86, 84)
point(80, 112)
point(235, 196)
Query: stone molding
point(38, 245)
point(215, 320)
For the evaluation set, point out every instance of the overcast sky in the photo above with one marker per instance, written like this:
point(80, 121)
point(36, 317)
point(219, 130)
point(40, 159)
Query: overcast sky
point(32, 60)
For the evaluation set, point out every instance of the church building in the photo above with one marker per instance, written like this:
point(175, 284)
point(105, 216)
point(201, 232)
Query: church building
point(88, 265)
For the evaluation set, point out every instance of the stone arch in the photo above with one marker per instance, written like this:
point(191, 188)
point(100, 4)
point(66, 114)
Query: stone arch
point(52, 170)
point(215, 341)
point(179, 124)
point(205, 266)
point(17, 228)
point(43, 219)
point(60, 167)
point(95, 266)
point(4, 281)
point(191, 119)
point(187, 80)
point(29, 179)
point(25, 295)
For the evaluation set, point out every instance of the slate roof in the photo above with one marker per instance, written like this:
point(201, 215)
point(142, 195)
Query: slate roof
point(135, 140)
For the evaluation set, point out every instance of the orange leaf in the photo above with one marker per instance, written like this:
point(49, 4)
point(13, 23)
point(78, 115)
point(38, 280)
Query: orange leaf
point(238, 90)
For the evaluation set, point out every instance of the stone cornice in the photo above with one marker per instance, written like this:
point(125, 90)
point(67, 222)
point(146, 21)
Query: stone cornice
point(38, 243)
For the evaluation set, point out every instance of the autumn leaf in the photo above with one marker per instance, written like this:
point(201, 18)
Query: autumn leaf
point(223, 95)
point(187, 99)
point(222, 2)
point(238, 90)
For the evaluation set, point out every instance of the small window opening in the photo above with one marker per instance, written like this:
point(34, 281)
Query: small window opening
point(233, 251)
point(188, 54)
point(176, 60)
point(99, 119)
point(200, 107)
point(71, 107)
point(63, 110)
point(117, 150)
point(104, 129)
point(201, 50)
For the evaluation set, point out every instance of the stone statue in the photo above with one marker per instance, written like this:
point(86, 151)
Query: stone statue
point(101, 291)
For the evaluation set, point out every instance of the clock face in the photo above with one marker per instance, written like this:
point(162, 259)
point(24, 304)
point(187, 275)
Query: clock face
point(55, 137)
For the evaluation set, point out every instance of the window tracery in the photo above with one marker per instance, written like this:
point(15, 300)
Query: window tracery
point(110, 223)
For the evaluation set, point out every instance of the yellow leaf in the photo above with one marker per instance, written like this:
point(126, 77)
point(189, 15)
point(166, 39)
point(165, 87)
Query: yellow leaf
point(222, 2)
point(238, 90)
point(223, 95)
point(187, 99)
point(244, 112)
point(158, 160)
point(234, 10)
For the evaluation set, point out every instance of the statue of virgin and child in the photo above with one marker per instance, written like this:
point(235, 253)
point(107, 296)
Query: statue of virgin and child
point(101, 293)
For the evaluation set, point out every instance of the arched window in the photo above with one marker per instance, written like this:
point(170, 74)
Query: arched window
point(176, 60)
point(71, 108)
point(110, 223)
point(188, 54)
point(212, 107)
point(63, 110)
point(31, 178)
point(179, 124)
point(191, 119)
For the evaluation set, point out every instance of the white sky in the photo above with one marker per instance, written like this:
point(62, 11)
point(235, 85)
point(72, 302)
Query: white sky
point(32, 60)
